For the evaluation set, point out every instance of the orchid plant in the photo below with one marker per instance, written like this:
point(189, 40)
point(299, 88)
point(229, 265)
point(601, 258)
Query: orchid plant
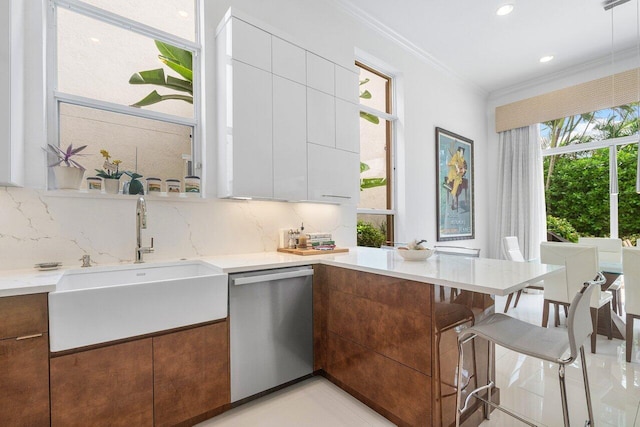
point(65, 156)
point(111, 169)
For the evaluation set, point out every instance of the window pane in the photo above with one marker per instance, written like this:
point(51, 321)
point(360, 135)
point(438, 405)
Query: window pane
point(96, 60)
point(374, 230)
point(150, 147)
point(373, 155)
point(172, 16)
point(628, 199)
point(578, 190)
point(377, 87)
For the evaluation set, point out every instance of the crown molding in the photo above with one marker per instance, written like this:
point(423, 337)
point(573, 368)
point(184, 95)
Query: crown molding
point(390, 34)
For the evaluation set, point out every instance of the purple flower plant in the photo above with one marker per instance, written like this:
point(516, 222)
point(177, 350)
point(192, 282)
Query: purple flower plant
point(65, 155)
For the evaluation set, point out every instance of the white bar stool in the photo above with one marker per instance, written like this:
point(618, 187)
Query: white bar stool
point(535, 341)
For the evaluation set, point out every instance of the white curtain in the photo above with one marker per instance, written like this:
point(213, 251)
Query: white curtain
point(521, 206)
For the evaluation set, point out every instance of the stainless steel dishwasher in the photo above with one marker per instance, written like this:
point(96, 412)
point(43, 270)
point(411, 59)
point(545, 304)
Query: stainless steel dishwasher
point(271, 328)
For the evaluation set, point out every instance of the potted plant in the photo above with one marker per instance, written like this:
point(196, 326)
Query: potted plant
point(134, 186)
point(69, 175)
point(110, 173)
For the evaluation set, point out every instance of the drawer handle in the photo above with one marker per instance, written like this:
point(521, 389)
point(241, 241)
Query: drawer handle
point(28, 337)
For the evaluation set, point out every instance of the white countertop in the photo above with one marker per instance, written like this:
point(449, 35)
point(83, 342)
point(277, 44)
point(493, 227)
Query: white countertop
point(485, 275)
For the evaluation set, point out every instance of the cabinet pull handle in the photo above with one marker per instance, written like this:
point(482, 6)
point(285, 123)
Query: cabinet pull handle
point(27, 337)
point(335, 195)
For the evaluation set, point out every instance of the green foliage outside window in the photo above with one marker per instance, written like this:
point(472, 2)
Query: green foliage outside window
point(562, 228)
point(369, 235)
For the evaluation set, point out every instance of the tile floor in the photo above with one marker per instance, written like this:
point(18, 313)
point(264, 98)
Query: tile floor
point(528, 387)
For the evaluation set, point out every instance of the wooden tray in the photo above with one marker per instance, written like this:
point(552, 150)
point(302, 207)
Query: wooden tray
point(312, 251)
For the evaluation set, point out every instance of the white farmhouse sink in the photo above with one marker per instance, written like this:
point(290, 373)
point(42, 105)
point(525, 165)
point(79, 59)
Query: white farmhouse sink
point(101, 304)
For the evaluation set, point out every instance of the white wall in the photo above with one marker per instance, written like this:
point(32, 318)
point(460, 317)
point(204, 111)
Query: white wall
point(36, 226)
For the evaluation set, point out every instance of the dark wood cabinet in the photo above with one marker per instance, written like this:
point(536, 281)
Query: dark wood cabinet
point(105, 386)
point(169, 379)
point(191, 374)
point(24, 361)
point(373, 337)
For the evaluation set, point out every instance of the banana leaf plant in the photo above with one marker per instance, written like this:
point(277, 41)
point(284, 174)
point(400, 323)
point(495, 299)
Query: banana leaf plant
point(365, 94)
point(177, 59)
point(370, 182)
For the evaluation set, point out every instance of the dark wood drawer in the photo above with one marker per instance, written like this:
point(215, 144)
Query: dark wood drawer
point(23, 315)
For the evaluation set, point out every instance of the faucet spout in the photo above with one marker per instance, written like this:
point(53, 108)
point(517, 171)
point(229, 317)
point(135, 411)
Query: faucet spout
point(141, 223)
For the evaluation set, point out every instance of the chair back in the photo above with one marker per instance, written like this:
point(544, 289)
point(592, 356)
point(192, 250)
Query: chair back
point(581, 265)
point(579, 323)
point(511, 249)
point(457, 250)
point(631, 271)
point(609, 250)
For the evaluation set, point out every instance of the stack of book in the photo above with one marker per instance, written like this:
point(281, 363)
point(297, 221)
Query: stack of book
point(321, 241)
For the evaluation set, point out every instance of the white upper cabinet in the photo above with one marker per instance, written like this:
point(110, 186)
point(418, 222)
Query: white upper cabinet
point(11, 93)
point(347, 84)
point(321, 118)
point(249, 44)
point(333, 175)
point(288, 60)
point(347, 126)
point(289, 140)
point(320, 74)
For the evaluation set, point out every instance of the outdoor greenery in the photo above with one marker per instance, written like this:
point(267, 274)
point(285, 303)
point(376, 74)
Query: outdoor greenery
point(562, 228)
point(577, 184)
point(369, 235)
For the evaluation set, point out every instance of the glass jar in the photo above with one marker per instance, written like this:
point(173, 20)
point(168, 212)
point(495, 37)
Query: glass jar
point(154, 185)
point(173, 186)
point(191, 184)
point(94, 183)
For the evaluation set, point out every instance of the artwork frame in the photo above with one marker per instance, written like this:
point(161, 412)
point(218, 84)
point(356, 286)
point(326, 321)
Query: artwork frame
point(454, 186)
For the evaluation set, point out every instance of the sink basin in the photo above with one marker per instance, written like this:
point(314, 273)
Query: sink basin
point(101, 304)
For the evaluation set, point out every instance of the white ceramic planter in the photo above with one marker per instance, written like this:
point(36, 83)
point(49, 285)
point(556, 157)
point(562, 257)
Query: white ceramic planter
point(68, 178)
point(111, 186)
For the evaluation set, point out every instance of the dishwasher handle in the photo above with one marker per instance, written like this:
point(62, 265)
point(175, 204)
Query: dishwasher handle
point(237, 281)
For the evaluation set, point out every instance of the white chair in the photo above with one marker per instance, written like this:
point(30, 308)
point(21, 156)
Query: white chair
point(546, 344)
point(511, 251)
point(581, 265)
point(609, 252)
point(631, 269)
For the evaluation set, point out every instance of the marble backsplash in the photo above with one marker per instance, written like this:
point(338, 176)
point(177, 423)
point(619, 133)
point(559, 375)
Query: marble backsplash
point(39, 226)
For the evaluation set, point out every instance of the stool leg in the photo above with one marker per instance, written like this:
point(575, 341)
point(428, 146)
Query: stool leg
point(629, 337)
point(587, 391)
point(563, 395)
point(594, 322)
point(508, 303)
point(487, 406)
point(459, 389)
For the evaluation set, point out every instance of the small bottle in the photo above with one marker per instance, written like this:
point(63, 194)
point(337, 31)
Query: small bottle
point(94, 183)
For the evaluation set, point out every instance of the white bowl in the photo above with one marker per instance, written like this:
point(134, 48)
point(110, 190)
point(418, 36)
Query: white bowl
point(415, 255)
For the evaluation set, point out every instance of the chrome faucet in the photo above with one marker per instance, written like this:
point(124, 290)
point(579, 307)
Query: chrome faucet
point(141, 223)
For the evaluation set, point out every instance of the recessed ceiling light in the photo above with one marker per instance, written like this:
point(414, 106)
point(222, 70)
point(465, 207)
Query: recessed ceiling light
point(546, 58)
point(505, 9)
point(183, 13)
point(94, 39)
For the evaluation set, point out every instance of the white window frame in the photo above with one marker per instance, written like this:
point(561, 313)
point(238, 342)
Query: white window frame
point(612, 144)
point(56, 97)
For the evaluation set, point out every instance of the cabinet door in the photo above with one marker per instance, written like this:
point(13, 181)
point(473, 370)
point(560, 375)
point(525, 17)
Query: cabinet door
point(11, 96)
point(252, 147)
point(109, 386)
point(333, 175)
point(288, 60)
point(250, 44)
point(320, 74)
point(24, 376)
point(289, 140)
point(347, 126)
point(321, 118)
point(347, 85)
point(191, 373)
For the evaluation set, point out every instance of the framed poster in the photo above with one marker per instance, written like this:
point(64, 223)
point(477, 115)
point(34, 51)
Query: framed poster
point(454, 186)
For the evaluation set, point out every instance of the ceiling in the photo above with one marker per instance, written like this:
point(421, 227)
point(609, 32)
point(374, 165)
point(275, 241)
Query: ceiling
point(492, 52)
